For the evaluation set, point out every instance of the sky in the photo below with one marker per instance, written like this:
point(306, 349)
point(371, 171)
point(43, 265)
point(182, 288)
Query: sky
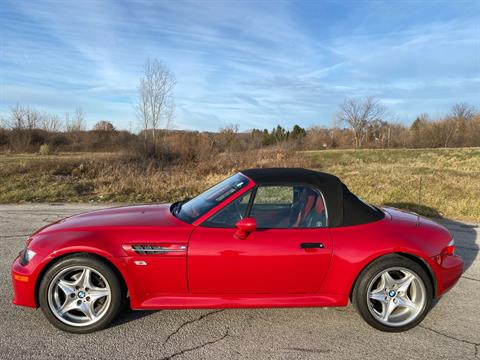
point(251, 63)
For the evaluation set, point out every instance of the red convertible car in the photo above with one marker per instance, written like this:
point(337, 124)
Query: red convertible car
point(261, 238)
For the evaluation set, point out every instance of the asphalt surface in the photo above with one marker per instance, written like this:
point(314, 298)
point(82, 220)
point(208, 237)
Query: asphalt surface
point(451, 330)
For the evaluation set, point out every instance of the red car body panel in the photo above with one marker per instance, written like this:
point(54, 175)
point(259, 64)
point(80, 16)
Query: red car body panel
point(268, 261)
point(267, 269)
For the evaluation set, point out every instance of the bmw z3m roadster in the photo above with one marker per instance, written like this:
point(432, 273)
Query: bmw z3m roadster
point(261, 238)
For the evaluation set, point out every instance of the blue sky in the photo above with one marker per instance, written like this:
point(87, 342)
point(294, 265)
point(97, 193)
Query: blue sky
point(255, 64)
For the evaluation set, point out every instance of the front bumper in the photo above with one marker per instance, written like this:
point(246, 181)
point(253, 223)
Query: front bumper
point(448, 270)
point(23, 283)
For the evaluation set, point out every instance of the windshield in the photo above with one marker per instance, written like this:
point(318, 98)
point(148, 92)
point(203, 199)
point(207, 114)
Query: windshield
point(193, 209)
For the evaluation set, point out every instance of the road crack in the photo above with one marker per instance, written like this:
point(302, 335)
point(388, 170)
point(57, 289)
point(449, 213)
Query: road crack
point(308, 350)
point(476, 345)
point(183, 351)
point(190, 322)
point(469, 278)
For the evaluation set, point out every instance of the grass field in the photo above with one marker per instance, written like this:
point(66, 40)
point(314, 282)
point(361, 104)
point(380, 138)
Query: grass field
point(433, 182)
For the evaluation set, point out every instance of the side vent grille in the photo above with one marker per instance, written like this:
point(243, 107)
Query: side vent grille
point(156, 249)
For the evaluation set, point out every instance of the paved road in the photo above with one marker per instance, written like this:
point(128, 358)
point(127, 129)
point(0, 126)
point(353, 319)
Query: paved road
point(451, 330)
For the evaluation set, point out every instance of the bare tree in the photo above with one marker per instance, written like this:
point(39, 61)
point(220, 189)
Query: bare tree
point(16, 120)
point(22, 123)
point(50, 122)
point(77, 122)
point(463, 111)
point(334, 129)
point(142, 110)
point(155, 102)
point(32, 119)
point(228, 135)
point(23, 118)
point(358, 113)
point(75, 125)
point(79, 119)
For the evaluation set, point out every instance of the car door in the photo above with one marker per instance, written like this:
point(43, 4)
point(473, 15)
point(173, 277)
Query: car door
point(283, 255)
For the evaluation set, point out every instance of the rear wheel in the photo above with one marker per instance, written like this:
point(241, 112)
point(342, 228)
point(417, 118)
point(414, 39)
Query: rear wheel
point(393, 294)
point(80, 294)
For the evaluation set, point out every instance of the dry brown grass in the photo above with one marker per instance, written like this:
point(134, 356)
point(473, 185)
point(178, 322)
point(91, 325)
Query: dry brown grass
point(433, 182)
point(119, 178)
point(449, 178)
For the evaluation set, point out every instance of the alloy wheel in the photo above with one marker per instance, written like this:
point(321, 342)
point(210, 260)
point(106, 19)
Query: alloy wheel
point(396, 296)
point(79, 296)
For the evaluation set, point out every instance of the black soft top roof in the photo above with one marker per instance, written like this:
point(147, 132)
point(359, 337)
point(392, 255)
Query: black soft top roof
point(344, 208)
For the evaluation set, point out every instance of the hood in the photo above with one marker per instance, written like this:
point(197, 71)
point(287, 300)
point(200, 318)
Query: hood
point(128, 216)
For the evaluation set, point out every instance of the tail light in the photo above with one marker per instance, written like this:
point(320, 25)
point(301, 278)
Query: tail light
point(450, 248)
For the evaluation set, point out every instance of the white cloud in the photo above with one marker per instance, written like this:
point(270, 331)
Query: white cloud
point(255, 64)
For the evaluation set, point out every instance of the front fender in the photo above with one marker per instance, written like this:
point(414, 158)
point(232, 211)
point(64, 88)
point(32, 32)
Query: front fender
point(51, 250)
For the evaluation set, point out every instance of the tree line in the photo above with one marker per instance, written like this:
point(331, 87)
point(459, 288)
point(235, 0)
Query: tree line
point(25, 129)
point(357, 123)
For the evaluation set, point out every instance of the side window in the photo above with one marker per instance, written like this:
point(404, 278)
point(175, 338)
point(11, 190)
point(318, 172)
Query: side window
point(289, 206)
point(230, 214)
point(274, 195)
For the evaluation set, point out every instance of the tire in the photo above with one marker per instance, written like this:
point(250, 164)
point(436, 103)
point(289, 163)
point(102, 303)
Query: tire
point(384, 299)
point(70, 304)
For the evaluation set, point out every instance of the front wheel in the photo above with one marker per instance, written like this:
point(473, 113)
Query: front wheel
point(393, 294)
point(80, 294)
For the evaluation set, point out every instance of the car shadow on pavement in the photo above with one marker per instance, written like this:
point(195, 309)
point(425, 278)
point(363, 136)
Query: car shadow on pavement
point(128, 315)
point(464, 233)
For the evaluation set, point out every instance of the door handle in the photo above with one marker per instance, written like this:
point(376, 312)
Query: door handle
point(312, 245)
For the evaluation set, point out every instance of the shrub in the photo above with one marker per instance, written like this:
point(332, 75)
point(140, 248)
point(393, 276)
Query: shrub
point(45, 149)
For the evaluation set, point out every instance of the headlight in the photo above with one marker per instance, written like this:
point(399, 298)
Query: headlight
point(26, 256)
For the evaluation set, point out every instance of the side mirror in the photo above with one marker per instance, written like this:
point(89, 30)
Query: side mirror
point(244, 227)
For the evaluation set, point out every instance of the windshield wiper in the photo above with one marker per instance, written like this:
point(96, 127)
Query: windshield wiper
point(177, 206)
